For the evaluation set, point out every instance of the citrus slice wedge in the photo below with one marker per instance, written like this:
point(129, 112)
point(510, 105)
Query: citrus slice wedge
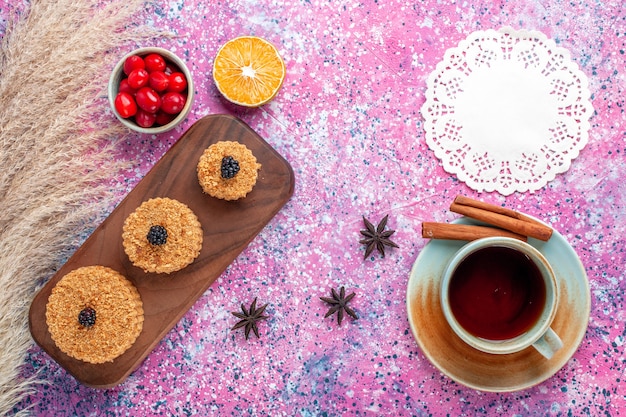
point(248, 71)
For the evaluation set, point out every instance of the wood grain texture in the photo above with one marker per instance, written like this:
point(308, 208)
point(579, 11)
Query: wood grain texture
point(228, 228)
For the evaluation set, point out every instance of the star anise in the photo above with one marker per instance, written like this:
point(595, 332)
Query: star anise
point(376, 237)
point(339, 304)
point(249, 318)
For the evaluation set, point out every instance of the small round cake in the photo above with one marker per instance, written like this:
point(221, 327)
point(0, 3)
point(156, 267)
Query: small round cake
point(94, 314)
point(227, 170)
point(162, 235)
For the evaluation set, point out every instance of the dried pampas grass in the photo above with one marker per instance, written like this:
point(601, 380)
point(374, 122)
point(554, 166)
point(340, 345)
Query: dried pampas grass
point(57, 138)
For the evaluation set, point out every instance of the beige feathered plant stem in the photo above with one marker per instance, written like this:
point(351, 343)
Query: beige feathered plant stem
point(57, 139)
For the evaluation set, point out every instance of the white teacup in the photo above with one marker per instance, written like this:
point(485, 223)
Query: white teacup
point(500, 296)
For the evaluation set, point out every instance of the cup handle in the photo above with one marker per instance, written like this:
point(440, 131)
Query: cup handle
point(548, 344)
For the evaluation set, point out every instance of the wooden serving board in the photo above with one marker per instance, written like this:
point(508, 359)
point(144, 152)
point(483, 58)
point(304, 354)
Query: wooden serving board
point(228, 227)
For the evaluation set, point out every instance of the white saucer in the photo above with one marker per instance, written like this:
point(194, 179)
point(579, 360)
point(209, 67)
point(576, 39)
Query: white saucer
point(484, 371)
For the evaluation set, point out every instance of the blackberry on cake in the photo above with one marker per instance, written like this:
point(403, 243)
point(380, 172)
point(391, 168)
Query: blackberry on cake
point(228, 170)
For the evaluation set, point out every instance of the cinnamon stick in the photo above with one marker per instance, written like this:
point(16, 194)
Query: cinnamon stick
point(466, 201)
point(504, 218)
point(432, 230)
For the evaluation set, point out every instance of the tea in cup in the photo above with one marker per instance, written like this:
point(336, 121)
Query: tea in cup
point(500, 296)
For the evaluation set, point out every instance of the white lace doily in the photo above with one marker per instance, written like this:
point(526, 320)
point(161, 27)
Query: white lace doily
point(507, 110)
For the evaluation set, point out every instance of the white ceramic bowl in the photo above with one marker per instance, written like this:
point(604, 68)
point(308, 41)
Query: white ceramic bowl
point(118, 74)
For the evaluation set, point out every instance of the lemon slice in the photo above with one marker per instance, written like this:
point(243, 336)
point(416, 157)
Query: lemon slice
point(248, 71)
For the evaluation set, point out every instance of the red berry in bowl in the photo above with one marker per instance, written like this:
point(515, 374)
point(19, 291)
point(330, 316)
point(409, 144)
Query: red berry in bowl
point(154, 62)
point(144, 118)
point(148, 99)
point(178, 82)
point(126, 88)
point(125, 105)
point(138, 78)
point(170, 68)
point(172, 102)
point(163, 118)
point(158, 81)
point(133, 62)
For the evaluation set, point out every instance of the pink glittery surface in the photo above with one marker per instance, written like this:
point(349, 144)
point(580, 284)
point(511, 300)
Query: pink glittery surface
point(347, 119)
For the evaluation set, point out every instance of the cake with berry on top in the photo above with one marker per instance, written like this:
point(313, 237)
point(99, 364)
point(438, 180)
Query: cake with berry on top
point(162, 235)
point(94, 314)
point(227, 170)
